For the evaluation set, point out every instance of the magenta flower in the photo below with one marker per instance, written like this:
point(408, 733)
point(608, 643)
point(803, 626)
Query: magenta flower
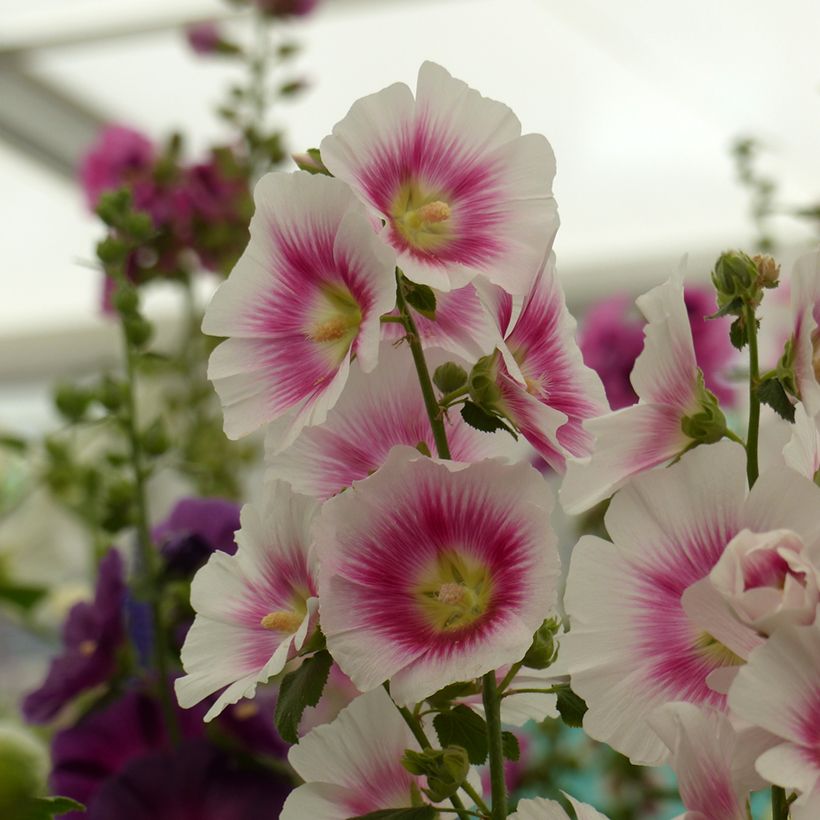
point(304, 298)
point(461, 192)
point(634, 642)
point(435, 572)
point(204, 38)
point(806, 329)
point(92, 635)
point(118, 157)
point(376, 412)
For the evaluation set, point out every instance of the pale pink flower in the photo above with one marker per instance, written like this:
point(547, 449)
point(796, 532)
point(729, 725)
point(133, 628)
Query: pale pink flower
point(353, 766)
point(713, 762)
point(255, 608)
point(805, 331)
point(539, 808)
point(204, 37)
point(435, 572)
point(802, 452)
point(648, 434)
point(461, 192)
point(547, 391)
point(632, 644)
point(304, 298)
point(779, 690)
point(375, 412)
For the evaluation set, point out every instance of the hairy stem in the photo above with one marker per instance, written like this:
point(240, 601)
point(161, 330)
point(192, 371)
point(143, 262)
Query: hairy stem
point(780, 804)
point(427, 392)
point(752, 468)
point(492, 710)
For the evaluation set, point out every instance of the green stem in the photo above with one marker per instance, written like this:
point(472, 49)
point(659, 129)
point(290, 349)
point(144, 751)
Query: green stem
point(752, 469)
point(427, 392)
point(730, 434)
point(548, 691)
point(147, 569)
point(508, 678)
point(492, 711)
point(476, 798)
point(780, 805)
point(448, 398)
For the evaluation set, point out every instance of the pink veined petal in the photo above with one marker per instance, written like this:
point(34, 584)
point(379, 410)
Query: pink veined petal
point(376, 412)
point(271, 572)
point(627, 442)
point(304, 297)
point(805, 315)
point(385, 541)
point(802, 452)
point(539, 808)
point(452, 146)
point(354, 761)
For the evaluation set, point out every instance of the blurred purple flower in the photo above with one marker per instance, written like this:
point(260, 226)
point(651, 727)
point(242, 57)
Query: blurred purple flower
point(118, 156)
point(92, 634)
point(611, 338)
point(286, 8)
point(195, 528)
point(203, 38)
point(196, 780)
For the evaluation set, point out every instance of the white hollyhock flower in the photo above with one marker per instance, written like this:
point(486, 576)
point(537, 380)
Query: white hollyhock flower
point(539, 808)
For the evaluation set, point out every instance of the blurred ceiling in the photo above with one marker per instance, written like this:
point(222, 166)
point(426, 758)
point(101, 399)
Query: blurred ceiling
point(640, 99)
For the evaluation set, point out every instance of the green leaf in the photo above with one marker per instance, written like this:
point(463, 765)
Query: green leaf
point(482, 420)
point(453, 691)
point(571, 707)
point(510, 747)
point(44, 808)
point(772, 392)
point(311, 161)
point(449, 377)
point(737, 333)
point(461, 726)
point(421, 298)
point(414, 813)
point(23, 597)
point(300, 689)
point(731, 308)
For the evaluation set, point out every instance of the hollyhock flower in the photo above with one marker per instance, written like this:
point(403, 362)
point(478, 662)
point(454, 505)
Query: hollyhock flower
point(195, 528)
point(713, 762)
point(461, 192)
point(539, 808)
point(611, 338)
point(546, 391)
point(253, 608)
point(806, 329)
point(633, 643)
point(92, 634)
point(779, 690)
point(203, 38)
point(650, 433)
point(338, 693)
point(303, 299)
point(462, 326)
point(353, 766)
point(194, 780)
point(375, 412)
point(802, 452)
point(118, 156)
point(435, 572)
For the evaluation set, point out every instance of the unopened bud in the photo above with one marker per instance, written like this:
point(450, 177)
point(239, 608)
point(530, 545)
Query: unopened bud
point(23, 767)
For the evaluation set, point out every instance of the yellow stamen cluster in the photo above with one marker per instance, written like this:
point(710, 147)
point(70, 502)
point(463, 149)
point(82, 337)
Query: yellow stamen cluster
point(429, 214)
point(282, 620)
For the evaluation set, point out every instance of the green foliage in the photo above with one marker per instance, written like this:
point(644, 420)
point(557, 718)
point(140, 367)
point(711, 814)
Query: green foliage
point(44, 808)
point(509, 746)
point(543, 651)
point(420, 297)
point(737, 333)
point(461, 726)
point(301, 688)
point(445, 769)
point(571, 707)
point(771, 391)
point(481, 420)
point(414, 813)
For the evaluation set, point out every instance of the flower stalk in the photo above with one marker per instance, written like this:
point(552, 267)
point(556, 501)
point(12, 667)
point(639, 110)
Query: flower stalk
point(752, 467)
point(492, 709)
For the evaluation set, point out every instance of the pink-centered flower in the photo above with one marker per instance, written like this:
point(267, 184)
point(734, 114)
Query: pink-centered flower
point(435, 572)
point(461, 193)
point(539, 808)
point(352, 766)
point(779, 690)
point(648, 434)
point(546, 390)
point(304, 298)
point(376, 411)
point(633, 643)
point(714, 763)
point(254, 609)
point(806, 329)
point(802, 451)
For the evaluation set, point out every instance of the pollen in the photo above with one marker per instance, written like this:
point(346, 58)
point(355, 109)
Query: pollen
point(282, 620)
point(88, 648)
point(429, 214)
point(452, 593)
point(330, 330)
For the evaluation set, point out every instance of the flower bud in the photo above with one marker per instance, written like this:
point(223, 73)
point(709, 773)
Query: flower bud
point(768, 271)
point(445, 769)
point(735, 279)
point(542, 652)
point(484, 389)
point(23, 767)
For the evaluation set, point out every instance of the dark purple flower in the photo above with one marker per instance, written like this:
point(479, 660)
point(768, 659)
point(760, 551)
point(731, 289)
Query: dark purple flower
point(92, 634)
point(286, 8)
point(713, 350)
point(194, 782)
point(611, 337)
point(203, 38)
point(119, 156)
point(195, 528)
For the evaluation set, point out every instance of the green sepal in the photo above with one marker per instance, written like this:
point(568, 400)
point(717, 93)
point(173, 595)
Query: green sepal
point(311, 161)
point(445, 769)
point(299, 689)
point(543, 650)
point(421, 298)
point(44, 808)
point(463, 727)
point(708, 425)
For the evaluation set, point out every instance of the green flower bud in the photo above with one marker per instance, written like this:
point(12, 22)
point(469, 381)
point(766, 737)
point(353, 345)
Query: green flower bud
point(449, 377)
point(543, 651)
point(111, 250)
point(126, 299)
point(72, 402)
point(735, 278)
point(445, 769)
point(484, 389)
point(138, 330)
point(708, 425)
point(23, 767)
